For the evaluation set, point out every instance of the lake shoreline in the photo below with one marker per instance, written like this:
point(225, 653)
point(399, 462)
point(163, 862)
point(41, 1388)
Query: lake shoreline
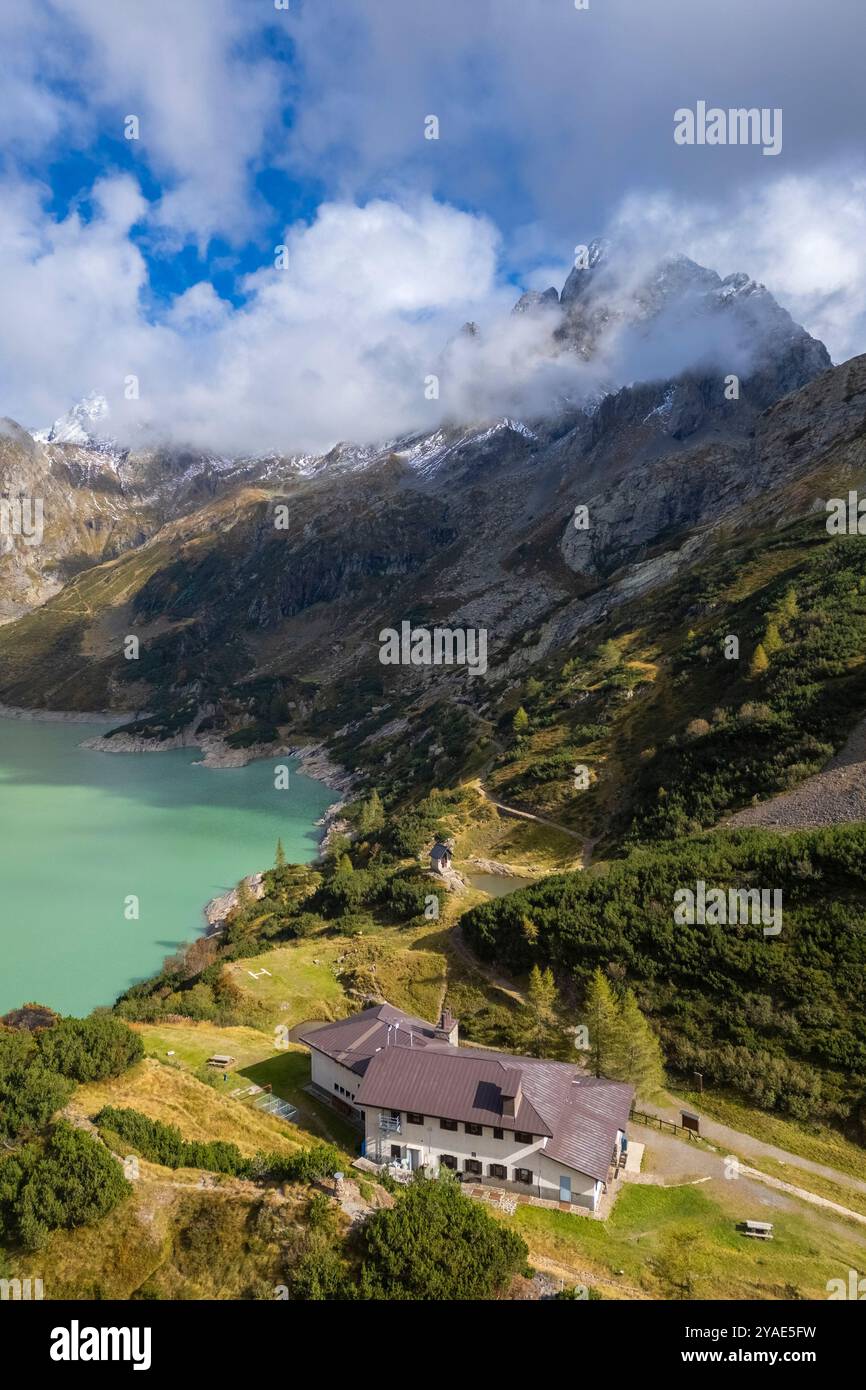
point(59, 716)
point(314, 760)
point(181, 913)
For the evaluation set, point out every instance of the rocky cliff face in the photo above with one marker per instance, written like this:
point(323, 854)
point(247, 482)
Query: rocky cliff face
point(98, 501)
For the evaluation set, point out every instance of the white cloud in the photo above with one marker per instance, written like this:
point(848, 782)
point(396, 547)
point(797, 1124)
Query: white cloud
point(339, 344)
point(803, 237)
point(207, 97)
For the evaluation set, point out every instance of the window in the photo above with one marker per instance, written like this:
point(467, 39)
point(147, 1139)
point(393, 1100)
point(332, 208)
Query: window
point(499, 1134)
point(448, 1161)
point(496, 1170)
point(396, 1151)
point(447, 1124)
point(523, 1175)
point(521, 1137)
point(472, 1165)
point(473, 1129)
point(413, 1118)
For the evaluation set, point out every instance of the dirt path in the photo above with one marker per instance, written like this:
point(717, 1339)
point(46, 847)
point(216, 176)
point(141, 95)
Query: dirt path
point(682, 1159)
point(455, 940)
point(530, 815)
point(751, 1147)
point(586, 845)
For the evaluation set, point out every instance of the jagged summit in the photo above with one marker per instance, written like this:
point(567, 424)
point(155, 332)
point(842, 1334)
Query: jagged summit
point(583, 274)
point(82, 425)
point(535, 299)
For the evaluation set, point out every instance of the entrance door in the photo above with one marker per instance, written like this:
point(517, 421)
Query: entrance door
point(414, 1158)
point(564, 1188)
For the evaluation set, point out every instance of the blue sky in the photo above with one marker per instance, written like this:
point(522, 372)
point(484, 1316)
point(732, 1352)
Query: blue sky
point(261, 126)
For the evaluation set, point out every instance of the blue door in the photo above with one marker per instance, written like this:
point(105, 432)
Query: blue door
point(564, 1188)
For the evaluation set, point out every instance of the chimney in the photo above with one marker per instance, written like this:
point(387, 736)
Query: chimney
point(511, 1091)
point(447, 1028)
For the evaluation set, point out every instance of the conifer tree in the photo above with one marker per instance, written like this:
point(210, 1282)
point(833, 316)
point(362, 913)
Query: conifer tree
point(608, 654)
point(760, 662)
point(602, 1021)
point(540, 1012)
point(790, 607)
point(245, 901)
point(529, 929)
point(772, 639)
point(640, 1057)
point(520, 723)
point(280, 856)
point(372, 815)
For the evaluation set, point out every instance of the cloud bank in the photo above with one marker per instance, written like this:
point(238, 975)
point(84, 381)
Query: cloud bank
point(342, 341)
point(556, 125)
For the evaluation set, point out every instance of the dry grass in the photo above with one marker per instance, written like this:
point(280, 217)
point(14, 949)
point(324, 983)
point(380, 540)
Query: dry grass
point(175, 1097)
point(171, 1241)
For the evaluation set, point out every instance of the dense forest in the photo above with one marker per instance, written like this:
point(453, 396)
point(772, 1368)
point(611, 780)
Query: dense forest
point(779, 1019)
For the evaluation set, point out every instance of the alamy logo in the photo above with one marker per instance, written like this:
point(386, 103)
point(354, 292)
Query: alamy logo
point(21, 1290)
point(77, 1343)
point(702, 906)
point(854, 1289)
point(438, 646)
point(22, 516)
point(846, 517)
point(738, 126)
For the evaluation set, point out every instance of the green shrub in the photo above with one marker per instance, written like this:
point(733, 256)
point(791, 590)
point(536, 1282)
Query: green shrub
point(90, 1049)
point(437, 1244)
point(72, 1181)
point(30, 1092)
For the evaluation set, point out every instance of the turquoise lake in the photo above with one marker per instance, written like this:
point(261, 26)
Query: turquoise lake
point(81, 831)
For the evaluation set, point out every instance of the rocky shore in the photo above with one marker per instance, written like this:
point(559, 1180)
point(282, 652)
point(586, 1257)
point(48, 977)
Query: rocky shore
point(493, 866)
point(313, 759)
point(134, 743)
point(218, 909)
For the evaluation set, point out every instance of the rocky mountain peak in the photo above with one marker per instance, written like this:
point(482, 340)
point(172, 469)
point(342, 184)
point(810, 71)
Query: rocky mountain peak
point(83, 425)
point(536, 299)
point(583, 273)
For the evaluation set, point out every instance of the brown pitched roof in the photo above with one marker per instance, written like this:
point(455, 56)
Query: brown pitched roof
point(353, 1041)
point(405, 1066)
point(445, 1083)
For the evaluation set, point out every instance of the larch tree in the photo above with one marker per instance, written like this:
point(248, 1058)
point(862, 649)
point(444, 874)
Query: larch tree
point(520, 723)
point(639, 1059)
point(540, 1013)
point(602, 1021)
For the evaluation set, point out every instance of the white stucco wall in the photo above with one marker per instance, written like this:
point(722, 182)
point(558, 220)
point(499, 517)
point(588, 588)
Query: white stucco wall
point(432, 1141)
point(325, 1072)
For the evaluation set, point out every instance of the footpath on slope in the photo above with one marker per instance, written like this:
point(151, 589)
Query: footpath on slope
point(747, 1144)
point(586, 844)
